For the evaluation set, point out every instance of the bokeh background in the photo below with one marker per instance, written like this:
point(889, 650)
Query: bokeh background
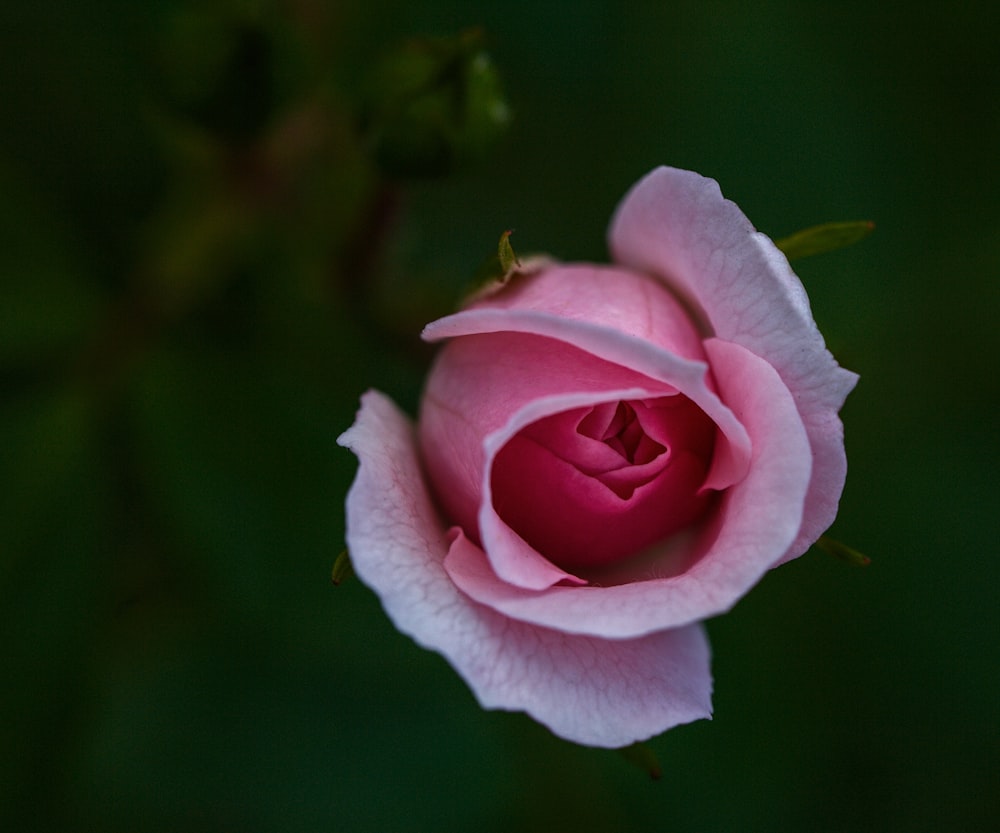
point(202, 267)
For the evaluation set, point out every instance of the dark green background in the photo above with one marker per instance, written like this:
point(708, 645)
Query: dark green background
point(186, 322)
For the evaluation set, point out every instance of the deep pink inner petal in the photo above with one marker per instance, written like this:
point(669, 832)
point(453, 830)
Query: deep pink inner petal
point(592, 486)
point(622, 432)
point(479, 382)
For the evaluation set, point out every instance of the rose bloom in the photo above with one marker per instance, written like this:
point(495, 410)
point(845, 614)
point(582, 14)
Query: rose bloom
point(605, 456)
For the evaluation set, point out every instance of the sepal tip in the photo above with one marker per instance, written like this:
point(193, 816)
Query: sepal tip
point(826, 237)
point(342, 569)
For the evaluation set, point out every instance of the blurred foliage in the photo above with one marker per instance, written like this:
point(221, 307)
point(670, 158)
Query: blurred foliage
point(433, 104)
point(204, 261)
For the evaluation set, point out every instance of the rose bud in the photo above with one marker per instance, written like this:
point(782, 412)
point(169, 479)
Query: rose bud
point(605, 456)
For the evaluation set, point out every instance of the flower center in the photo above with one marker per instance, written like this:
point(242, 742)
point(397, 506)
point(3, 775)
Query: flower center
point(592, 486)
point(622, 432)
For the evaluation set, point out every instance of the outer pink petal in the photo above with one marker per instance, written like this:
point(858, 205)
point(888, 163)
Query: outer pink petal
point(757, 519)
point(590, 691)
point(627, 302)
point(677, 225)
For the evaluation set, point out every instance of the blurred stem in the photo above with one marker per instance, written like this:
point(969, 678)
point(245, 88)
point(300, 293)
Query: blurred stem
point(362, 258)
point(130, 324)
point(361, 272)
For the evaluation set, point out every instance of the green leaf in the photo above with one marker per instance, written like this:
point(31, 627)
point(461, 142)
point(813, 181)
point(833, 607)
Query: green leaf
point(824, 238)
point(842, 551)
point(642, 756)
point(342, 569)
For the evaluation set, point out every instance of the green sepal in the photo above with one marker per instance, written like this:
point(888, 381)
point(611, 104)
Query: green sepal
point(342, 569)
point(642, 756)
point(842, 551)
point(824, 238)
point(506, 256)
point(500, 265)
point(496, 270)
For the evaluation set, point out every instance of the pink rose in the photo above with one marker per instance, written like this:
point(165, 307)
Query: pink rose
point(605, 457)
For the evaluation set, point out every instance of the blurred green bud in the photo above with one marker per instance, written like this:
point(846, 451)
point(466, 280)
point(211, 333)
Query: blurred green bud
point(216, 71)
point(433, 105)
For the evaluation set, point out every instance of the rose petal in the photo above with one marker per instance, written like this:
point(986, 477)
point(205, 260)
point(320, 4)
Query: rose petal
point(459, 401)
point(586, 690)
point(757, 520)
point(642, 357)
point(617, 299)
point(513, 559)
point(576, 521)
point(677, 225)
point(564, 435)
point(475, 387)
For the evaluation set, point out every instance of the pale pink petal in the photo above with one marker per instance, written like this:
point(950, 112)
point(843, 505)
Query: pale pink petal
point(628, 302)
point(677, 225)
point(701, 575)
point(588, 690)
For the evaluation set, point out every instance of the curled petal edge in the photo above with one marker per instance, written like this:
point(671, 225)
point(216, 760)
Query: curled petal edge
point(677, 226)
